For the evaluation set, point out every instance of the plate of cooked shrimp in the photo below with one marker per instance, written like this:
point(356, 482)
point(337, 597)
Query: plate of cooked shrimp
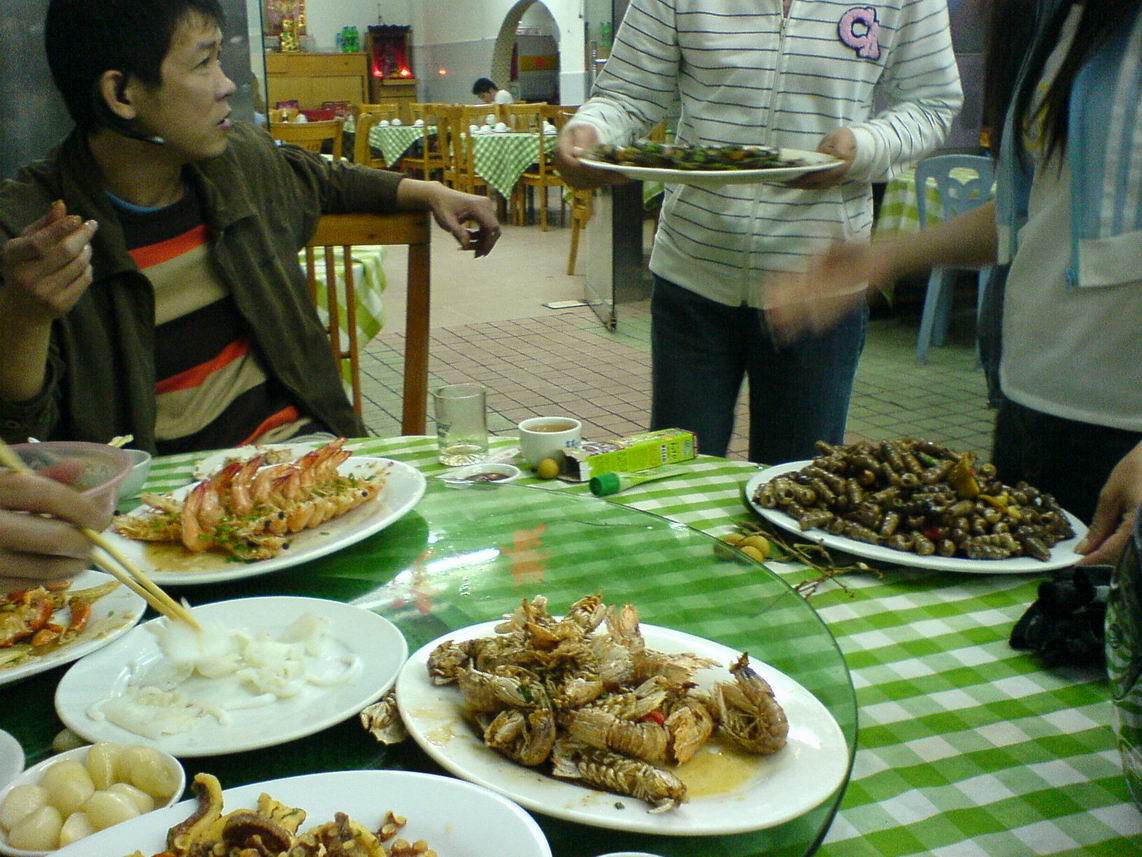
point(258, 514)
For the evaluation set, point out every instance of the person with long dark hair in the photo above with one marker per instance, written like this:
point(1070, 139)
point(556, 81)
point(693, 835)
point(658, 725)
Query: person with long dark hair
point(1068, 218)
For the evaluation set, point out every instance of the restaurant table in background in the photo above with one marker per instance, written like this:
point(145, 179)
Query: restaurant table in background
point(394, 140)
point(966, 746)
point(500, 159)
point(898, 209)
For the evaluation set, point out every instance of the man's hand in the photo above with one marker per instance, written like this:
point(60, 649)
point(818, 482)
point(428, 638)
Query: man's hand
point(39, 539)
point(452, 210)
point(573, 141)
point(47, 268)
point(1117, 509)
point(840, 143)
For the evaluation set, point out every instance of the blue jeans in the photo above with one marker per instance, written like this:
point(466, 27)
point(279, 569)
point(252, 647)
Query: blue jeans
point(798, 393)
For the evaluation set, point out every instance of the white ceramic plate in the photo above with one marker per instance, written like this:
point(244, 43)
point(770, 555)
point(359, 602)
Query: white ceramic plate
point(455, 818)
point(814, 162)
point(111, 616)
point(771, 789)
point(36, 773)
point(1062, 554)
point(488, 472)
point(169, 563)
point(11, 758)
point(379, 644)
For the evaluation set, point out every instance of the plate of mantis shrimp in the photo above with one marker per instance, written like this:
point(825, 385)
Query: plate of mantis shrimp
point(258, 514)
point(595, 719)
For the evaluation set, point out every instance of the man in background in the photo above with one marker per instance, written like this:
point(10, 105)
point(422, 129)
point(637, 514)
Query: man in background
point(486, 90)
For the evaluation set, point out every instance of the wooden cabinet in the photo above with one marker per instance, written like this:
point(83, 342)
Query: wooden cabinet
point(395, 90)
point(314, 78)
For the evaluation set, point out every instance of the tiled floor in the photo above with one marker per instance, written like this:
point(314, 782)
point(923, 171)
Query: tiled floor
point(489, 326)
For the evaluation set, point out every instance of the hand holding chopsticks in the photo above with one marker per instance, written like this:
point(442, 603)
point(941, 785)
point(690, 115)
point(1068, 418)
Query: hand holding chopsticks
point(111, 560)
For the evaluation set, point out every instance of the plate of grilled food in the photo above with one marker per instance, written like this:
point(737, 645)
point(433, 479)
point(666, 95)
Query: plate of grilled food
point(660, 731)
point(920, 504)
point(397, 813)
point(259, 514)
point(44, 627)
point(706, 166)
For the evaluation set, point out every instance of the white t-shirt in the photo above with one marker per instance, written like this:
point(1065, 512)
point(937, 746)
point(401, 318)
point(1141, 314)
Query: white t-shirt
point(504, 97)
point(1073, 352)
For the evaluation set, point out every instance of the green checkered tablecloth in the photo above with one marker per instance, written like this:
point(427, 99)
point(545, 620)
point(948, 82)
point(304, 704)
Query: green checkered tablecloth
point(394, 140)
point(965, 746)
point(898, 208)
point(500, 159)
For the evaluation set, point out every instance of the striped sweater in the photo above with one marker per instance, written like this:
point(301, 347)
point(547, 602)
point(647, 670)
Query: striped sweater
point(748, 74)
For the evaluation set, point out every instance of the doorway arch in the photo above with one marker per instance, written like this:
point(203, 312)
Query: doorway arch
point(505, 40)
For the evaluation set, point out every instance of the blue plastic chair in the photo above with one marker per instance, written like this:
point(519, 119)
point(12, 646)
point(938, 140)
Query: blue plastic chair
point(957, 197)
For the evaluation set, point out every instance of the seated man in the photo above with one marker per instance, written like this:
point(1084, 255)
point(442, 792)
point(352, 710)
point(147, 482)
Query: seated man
point(486, 90)
point(150, 281)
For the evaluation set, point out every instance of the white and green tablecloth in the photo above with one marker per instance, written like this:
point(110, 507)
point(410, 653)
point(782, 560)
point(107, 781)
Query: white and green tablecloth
point(899, 211)
point(966, 746)
point(394, 140)
point(500, 159)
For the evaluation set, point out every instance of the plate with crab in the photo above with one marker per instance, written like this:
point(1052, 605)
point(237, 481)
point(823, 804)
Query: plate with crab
point(727, 790)
point(38, 639)
point(256, 515)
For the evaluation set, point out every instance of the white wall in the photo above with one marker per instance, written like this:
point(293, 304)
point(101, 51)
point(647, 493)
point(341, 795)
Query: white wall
point(325, 18)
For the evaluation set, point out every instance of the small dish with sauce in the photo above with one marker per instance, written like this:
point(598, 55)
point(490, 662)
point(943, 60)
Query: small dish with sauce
point(488, 472)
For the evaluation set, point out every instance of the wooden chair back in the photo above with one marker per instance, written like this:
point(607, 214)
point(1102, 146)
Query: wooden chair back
point(390, 110)
point(411, 228)
point(524, 117)
point(465, 166)
point(362, 152)
point(309, 135)
point(431, 159)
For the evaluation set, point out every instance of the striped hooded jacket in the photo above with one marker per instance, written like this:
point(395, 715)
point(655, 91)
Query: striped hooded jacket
point(747, 74)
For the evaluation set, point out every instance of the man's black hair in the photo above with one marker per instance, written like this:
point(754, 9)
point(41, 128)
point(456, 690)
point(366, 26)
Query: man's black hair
point(483, 85)
point(85, 38)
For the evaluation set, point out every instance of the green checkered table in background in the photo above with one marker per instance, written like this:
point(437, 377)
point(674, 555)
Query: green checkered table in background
point(500, 159)
point(394, 140)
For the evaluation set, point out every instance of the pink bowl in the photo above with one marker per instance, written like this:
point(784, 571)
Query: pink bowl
point(103, 467)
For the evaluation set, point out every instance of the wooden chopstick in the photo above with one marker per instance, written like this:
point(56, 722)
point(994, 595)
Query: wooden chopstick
point(126, 572)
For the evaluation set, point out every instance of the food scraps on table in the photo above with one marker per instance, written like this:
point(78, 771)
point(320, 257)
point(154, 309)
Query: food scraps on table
point(250, 508)
point(271, 830)
point(918, 496)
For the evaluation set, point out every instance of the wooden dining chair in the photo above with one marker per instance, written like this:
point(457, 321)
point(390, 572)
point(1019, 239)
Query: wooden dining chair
point(466, 158)
point(539, 177)
point(524, 117)
point(582, 207)
point(411, 228)
point(310, 135)
point(365, 116)
point(430, 161)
